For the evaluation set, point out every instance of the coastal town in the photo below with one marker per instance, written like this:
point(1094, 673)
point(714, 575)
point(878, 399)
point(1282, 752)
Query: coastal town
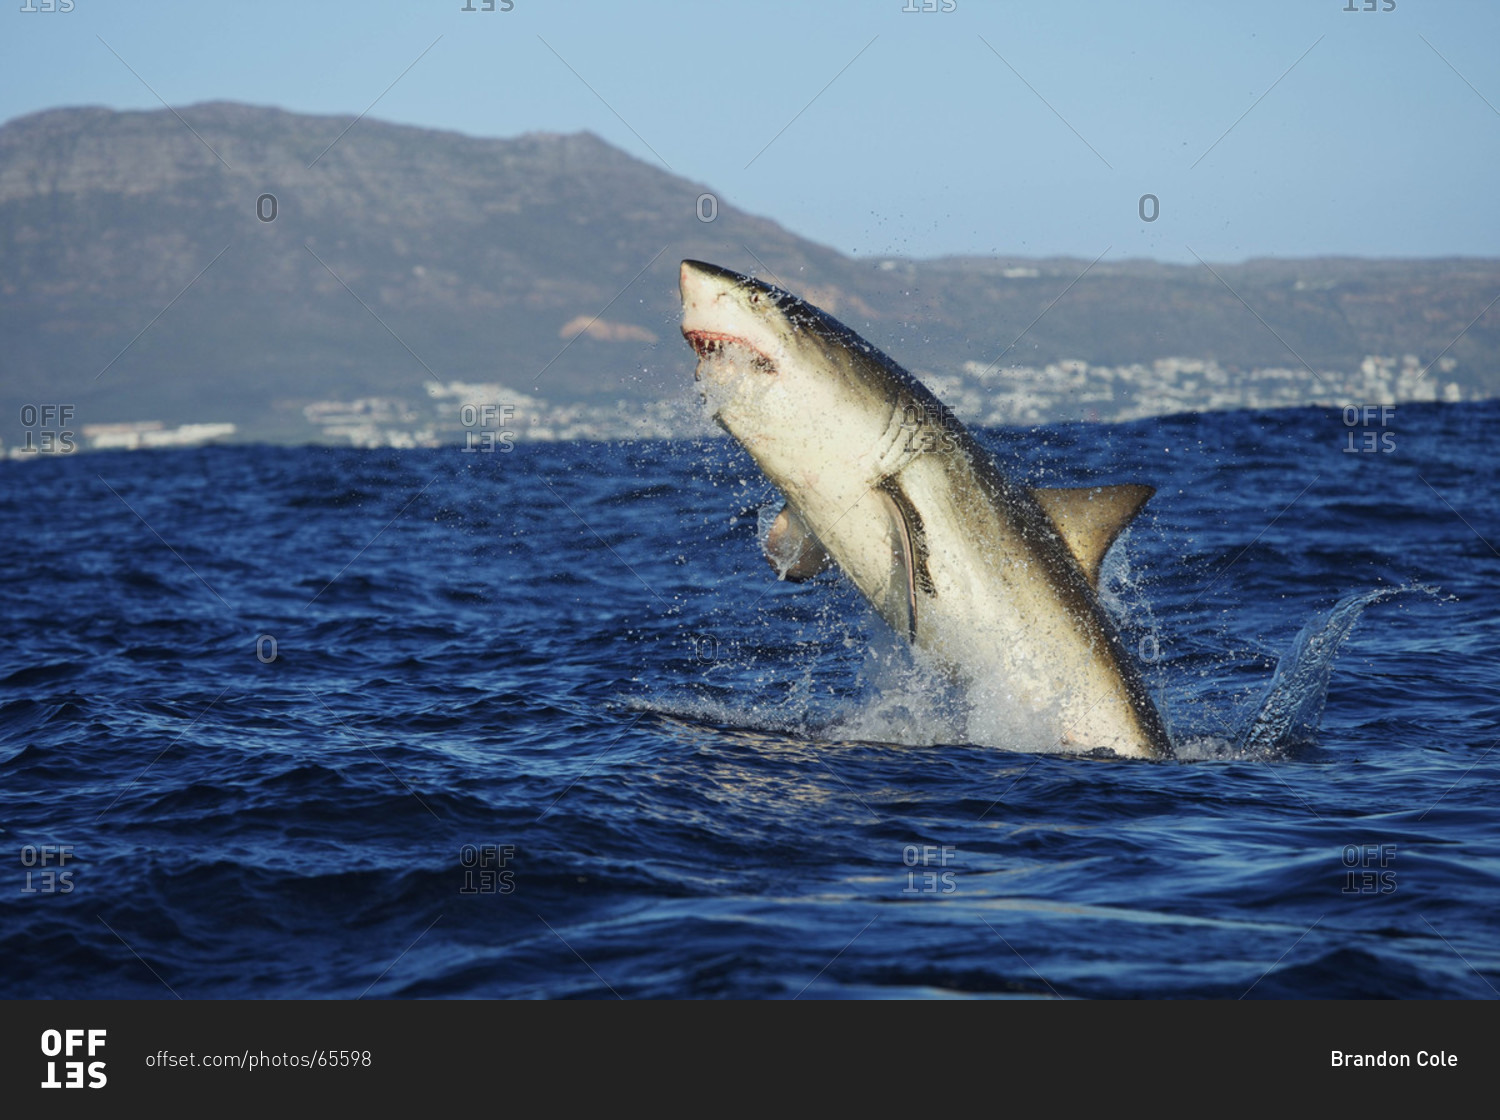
point(489, 416)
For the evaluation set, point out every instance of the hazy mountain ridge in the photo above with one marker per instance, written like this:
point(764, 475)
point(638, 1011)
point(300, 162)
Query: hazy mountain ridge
point(482, 257)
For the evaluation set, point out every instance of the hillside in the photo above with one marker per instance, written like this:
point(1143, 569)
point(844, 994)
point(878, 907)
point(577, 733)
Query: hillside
point(481, 258)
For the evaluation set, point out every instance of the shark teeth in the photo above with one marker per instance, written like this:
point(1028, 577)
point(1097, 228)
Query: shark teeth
point(710, 345)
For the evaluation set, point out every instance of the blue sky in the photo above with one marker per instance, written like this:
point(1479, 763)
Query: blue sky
point(1262, 129)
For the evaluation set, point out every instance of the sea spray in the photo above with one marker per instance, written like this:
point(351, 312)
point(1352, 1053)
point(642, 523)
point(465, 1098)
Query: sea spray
point(1290, 710)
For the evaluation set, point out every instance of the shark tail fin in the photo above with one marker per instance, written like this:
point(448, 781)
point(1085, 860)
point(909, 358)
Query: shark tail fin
point(1090, 518)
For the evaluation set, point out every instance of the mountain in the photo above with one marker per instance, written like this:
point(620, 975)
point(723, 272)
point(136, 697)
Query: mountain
point(139, 282)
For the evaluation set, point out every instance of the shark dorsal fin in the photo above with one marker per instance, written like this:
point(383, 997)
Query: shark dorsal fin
point(1090, 518)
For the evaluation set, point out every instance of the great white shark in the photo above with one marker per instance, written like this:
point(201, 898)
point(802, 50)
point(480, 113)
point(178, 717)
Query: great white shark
point(996, 580)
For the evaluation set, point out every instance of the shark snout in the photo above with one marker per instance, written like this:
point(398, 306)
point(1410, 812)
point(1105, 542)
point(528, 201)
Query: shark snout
point(699, 277)
point(701, 284)
point(718, 323)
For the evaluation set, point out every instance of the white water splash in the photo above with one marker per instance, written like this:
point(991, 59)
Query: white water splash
point(1292, 706)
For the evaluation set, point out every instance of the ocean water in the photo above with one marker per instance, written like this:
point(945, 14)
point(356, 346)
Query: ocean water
point(335, 723)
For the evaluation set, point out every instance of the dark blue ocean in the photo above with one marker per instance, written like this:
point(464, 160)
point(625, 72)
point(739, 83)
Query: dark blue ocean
point(321, 722)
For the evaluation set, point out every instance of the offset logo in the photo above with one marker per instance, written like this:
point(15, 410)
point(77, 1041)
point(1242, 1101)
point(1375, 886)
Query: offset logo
point(487, 868)
point(1367, 419)
point(1368, 870)
point(47, 428)
point(43, 864)
point(941, 881)
point(67, 1044)
point(486, 417)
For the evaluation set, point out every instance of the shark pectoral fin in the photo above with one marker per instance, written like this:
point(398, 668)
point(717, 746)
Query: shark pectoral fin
point(1090, 518)
point(898, 604)
point(793, 550)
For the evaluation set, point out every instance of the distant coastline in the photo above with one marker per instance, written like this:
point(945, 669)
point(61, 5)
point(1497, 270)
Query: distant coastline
point(414, 287)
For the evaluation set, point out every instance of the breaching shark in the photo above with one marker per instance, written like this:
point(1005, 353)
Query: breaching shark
point(995, 580)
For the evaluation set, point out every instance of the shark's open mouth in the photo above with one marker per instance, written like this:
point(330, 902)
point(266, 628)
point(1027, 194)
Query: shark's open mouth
point(716, 346)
